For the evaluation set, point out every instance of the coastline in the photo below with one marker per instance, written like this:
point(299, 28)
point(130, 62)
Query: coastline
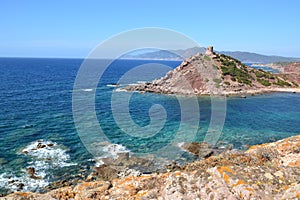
point(264, 170)
point(263, 91)
point(252, 92)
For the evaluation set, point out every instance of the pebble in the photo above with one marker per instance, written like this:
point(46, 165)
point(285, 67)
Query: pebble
point(269, 176)
point(278, 174)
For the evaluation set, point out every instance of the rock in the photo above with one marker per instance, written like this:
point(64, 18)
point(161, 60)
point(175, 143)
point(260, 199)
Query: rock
point(128, 172)
point(201, 149)
point(123, 156)
point(20, 186)
point(230, 175)
point(30, 171)
point(40, 146)
point(243, 96)
point(105, 172)
point(269, 176)
point(278, 174)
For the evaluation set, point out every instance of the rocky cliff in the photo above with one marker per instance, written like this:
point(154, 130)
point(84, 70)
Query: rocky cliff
point(213, 73)
point(267, 171)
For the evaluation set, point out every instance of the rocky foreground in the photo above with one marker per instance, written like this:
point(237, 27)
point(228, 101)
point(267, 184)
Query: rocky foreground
point(267, 171)
point(217, 74)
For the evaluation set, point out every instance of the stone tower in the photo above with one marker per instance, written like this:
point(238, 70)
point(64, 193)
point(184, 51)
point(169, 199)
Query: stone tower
point(209, 50)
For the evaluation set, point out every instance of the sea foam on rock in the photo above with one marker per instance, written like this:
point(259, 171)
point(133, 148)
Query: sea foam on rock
point(43, 156)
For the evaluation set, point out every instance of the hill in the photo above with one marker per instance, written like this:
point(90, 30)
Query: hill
point(247, 57)
point(214, 73)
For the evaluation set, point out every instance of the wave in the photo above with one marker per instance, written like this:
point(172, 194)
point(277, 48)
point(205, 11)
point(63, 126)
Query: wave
point(43, 156)
point(111, 151)
point(48, 151)
point(115, 149)
point(88, 90)
point(21, 183)
point(120, 90)
point(113, 85)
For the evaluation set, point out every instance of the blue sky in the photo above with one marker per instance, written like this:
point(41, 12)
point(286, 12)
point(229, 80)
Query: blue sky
point(65, 28)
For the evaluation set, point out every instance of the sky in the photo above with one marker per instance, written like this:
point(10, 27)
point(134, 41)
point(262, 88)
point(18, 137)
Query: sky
point(72, 29)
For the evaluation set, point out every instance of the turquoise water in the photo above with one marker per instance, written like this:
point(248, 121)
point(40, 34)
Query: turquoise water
point(36, 106)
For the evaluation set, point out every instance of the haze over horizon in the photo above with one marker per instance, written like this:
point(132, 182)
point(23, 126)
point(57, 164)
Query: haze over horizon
point(65, 29)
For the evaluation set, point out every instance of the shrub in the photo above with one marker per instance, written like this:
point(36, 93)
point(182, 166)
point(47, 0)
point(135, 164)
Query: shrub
point(295, 84)
point(282, 83)
point(207, 58)
point(264, 82)
point(217, 80)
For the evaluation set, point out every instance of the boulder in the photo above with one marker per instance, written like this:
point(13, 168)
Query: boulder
point(200, 149)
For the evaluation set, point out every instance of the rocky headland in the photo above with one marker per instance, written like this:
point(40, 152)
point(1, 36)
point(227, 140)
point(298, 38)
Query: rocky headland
point(266, 171)
point(217, 74)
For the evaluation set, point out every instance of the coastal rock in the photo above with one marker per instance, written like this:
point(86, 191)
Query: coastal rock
point(266, 171)
point(31, 172)
point(40, 146)
point(105, 172)
point(201, 149)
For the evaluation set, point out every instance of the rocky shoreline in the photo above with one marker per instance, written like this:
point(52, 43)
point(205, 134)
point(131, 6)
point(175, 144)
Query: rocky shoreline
point(266, 171)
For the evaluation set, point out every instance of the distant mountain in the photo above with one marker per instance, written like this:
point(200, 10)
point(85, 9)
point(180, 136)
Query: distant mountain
point(181, 54)
point(247, 57)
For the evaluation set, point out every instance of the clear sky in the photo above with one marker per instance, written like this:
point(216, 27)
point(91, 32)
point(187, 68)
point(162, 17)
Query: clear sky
point(69, 28)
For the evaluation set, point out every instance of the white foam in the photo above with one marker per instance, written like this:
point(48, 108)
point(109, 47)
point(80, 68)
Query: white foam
point(110, 151)
point(51, 153)
point(87, 90)
point(114, 149)
point(112, 85)
point(44, 156)
point(120, 90)
point(180, 144)
point(28, 184)
point(99, 162)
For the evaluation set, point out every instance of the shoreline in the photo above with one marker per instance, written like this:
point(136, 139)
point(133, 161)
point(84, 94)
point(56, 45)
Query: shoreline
point(263, 91)
point(232, 172)
point(227, 93)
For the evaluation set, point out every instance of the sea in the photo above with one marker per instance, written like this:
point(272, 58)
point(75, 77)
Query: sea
point(36, 108)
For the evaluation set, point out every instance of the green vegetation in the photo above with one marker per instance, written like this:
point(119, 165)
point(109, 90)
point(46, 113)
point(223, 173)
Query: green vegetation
point(230, 67)
point(282, 83)
point(239, 72)
point(227, 83)
point(264, 82)
point(217, 80)
point(206, 57)
point(206, 80)
point(262, 74)
point(295, 84)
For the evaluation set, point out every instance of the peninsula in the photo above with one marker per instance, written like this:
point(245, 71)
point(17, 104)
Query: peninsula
point(211, 73)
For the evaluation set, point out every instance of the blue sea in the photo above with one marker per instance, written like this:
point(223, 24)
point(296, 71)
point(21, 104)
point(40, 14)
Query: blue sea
point(36, 108)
